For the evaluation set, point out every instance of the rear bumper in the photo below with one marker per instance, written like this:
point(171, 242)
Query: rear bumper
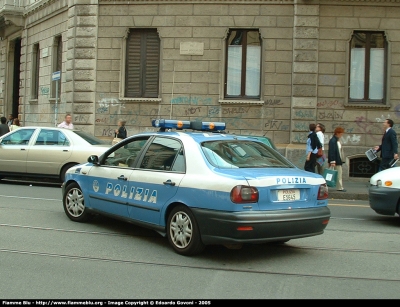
point(218, 227)
point(384, 200)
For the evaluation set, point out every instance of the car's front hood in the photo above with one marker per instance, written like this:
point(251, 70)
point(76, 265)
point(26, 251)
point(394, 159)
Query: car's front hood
point(274, 176)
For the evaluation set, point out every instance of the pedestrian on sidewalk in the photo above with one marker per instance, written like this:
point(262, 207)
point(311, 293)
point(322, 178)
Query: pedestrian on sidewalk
point(336, 156)
point(16, 125)
point(3, 126)
point(320, 130)
point(67, 123)
point(10, 120)
point(389, 146)
point(311, 149)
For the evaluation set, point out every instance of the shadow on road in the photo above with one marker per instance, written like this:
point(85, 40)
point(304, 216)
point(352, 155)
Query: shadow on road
point(44, 182)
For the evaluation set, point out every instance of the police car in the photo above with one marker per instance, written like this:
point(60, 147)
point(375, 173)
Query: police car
point(199, 186)
point(384, 192)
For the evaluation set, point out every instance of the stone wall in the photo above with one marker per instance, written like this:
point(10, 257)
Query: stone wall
point(305, 64)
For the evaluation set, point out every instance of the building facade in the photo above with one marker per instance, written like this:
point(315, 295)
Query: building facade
point(264, 67)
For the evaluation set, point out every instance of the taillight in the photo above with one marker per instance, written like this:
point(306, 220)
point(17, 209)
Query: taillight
point(244, 194)
point(323, 191)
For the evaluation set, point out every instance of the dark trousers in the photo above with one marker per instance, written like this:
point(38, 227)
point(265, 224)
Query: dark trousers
point(384, 164)
point(309, 166)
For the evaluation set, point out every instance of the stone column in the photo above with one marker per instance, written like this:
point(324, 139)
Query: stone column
point(305, 68)
point(80, 79)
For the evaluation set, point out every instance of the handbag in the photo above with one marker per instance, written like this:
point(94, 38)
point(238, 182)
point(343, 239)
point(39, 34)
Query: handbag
point(116, 140)
point(320, 152)
point(330, 176)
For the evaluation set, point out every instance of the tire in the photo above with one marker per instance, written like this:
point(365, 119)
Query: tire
point(64, 170)
point(183, 232)
point(74, 204)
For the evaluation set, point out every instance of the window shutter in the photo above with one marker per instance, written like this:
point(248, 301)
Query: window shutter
point(142, 64)
point(152, 61)
point(132, 74)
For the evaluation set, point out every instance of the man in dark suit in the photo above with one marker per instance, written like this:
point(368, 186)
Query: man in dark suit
point(389, 146)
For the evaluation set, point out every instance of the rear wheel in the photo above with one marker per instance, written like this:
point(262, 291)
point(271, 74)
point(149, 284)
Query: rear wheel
point(74, 204)
point(64, 170)
point(183, 232)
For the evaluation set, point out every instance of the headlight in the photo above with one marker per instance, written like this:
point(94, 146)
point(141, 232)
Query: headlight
point(379, 183)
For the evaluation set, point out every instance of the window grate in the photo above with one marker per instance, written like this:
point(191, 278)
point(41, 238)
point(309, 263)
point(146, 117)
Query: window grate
point(363, 168)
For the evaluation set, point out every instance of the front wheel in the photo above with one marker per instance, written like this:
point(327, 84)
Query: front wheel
point(74, 204)
point(183, 232)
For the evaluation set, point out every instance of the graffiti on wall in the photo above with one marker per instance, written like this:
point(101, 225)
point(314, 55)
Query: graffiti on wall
point(329, 104)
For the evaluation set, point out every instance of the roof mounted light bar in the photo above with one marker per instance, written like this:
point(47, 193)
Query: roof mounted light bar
point(164, 124)
point(208, 126)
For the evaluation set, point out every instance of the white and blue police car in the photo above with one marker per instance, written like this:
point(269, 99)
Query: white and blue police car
point(198, 186)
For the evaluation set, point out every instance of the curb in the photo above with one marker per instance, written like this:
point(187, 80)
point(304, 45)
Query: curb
point(347, 195)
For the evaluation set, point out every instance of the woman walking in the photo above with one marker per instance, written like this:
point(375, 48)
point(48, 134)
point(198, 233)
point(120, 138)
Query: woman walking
point(311, 150)
point(15, 125)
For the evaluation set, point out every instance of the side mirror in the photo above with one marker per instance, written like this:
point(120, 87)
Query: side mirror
point(93, 159)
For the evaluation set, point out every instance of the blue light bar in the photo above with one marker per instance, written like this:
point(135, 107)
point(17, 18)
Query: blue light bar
point(164, 124)
point(208, 126)
point(170, 124)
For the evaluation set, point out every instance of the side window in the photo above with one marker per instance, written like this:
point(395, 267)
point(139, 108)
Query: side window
point(161, 154)
point(60, 139)
point(19, 137)
point(51, 137)
point(142, 63)
point(243, 64)
point(127, 154)
point(179, 163)
point(368, 67)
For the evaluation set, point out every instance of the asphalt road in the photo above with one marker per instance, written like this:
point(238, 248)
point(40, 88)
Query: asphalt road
point(44, 255)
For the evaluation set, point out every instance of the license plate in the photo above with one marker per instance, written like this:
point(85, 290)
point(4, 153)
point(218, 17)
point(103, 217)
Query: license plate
point(289, 195)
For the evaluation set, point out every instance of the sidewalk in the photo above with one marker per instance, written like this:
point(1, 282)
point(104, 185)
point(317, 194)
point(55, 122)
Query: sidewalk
point(354, 190)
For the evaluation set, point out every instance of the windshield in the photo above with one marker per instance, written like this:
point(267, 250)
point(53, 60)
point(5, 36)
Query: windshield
point(90, 138)
point(243, 154)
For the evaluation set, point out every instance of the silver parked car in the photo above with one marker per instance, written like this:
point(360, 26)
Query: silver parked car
point(45, 151)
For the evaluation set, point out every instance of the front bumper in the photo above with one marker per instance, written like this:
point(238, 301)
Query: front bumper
point(384, 200)
point(218, 227)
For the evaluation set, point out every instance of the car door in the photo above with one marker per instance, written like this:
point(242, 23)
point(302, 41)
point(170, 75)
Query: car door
point(14, 149)
point(156, 179)
point(108, 183)
point(50, 150)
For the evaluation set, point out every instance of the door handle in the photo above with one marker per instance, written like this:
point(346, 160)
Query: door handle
point(122, 177)
point(169, 182)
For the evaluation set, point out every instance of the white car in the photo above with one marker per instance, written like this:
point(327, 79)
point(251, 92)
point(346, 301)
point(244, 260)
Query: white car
point(384, 191)
point(45, 152)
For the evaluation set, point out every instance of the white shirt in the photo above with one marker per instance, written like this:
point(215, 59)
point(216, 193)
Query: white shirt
point(65, 125)
point(14, 127)
point(321, 138)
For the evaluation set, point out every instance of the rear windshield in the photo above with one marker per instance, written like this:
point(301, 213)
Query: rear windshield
point(243, 154)
point(90, 138)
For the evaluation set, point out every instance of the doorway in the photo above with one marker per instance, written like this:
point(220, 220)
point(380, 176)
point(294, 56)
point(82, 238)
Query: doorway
point(16, 77)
